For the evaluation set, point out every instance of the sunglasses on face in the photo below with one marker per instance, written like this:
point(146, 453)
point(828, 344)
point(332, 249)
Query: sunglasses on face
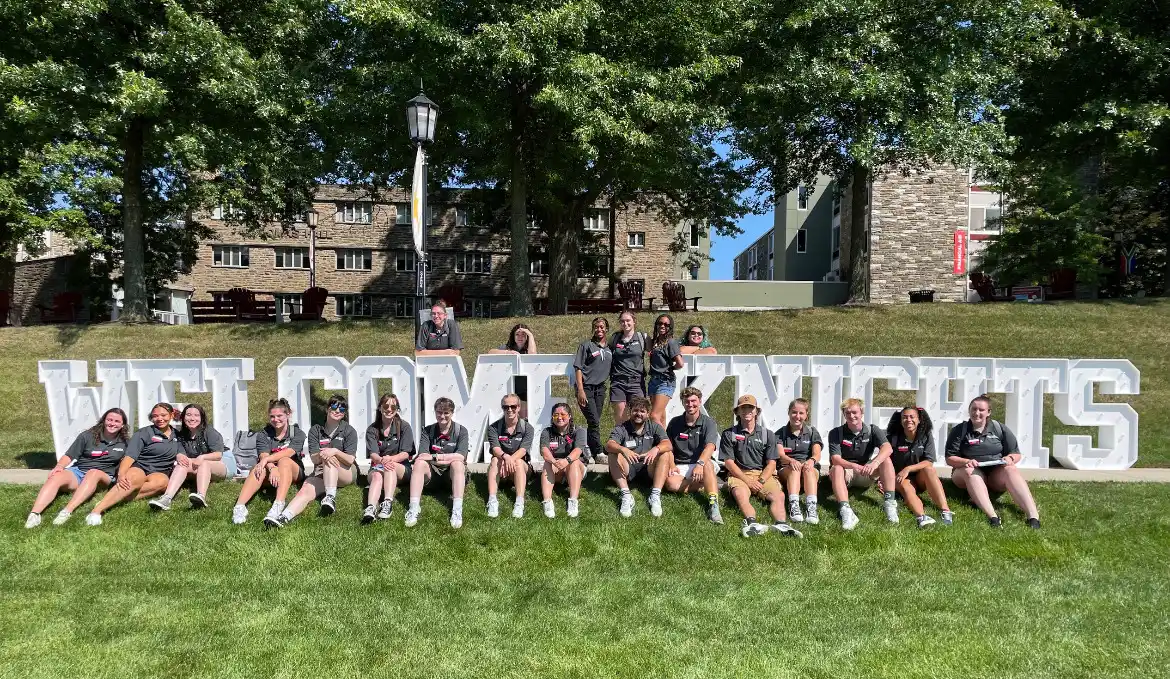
point(560, 416)
point(389, 409)
point(663, 324)
point(697, 332)
point(508, 406)
point(337, 408)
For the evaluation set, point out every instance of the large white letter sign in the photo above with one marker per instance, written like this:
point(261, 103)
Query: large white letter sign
point(1118, 422)
point(943, 386)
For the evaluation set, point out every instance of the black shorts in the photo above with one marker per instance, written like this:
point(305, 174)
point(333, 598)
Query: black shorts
point(149, 469)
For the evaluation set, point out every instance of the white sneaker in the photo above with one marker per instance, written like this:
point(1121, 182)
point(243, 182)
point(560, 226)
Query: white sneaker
point(783, 528)
point(92, 519)
point(794, 514)
point(891, 507)
point(412, 515)
point(572, 509)
point(493, 507)
point(277, 508)
point(655, 502)
point(62, 517)
point(33, 520)
point(197, 501)
point(948, 517)
point(924, 521)
point(627, 507)
point(810, 513)
point(518, 508)
point(549, 510)
point(239, 514)
point(457, 517)
point(751, 529)
point(849, 520)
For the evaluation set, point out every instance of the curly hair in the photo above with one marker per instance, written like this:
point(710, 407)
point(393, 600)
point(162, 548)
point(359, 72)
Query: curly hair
point(925, 426)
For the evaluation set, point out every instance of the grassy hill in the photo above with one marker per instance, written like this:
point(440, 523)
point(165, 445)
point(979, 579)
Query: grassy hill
point(1134, 331)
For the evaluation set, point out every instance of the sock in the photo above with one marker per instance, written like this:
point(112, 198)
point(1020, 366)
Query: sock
point(457, 503)
point(34, 513)
point(750, 519)
point(331, 491)
point(237, 506)
point(414, 502)
point(888, 495)
point(845, 505)
point(712, 499)
point(655, 491)
point(168, 496)
point(810, 499)
point(625, 492)
point(492, 497)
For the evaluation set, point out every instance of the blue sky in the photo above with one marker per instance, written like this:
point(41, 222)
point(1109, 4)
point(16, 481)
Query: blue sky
point(725, 248)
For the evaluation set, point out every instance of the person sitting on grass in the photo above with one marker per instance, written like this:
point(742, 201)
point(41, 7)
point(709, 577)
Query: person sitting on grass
point(799, 449)
point(442, 451)
point(510, 439)
point(146, 467)
point(562, 450)
point(90, 463)
point(439, 336)
point(690, 466)
point(695, 341)
point(520, 341)
point(748, 451)
point(910, 433)
point(591, 368)
point(665, 358)
point(633, 449)
point(984, 454)
point(204, 455)
point(390, 443)
point(333, 450)
point(859, 453)
point(279, 446)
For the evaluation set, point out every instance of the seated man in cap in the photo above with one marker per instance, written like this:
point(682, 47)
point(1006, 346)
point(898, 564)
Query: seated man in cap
point(749, 453)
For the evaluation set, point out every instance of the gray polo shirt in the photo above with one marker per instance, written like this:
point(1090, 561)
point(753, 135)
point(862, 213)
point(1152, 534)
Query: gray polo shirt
point(432, 337)
point(751, 451)
point(994, 443)
point(560, 445)
point(103, 455)
point(627, 436)
point(799, 447)
point(436, 443)
point(343, 438)
point(629, 357)
point(268, 442)
point(399, 440)
point(662, 360)
point(594, 361)
point(858, 447)
point(688, 440)
point(510, 441)
point(153, 451)
point(209, 441)
point(908, 453)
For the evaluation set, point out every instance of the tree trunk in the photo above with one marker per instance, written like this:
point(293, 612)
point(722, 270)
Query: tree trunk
point(135, 305)
point(563, 243)
point(520, 282)
point(8, 271)
point(858, 238)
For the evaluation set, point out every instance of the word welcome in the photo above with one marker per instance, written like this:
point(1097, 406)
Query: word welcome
point(943, 386)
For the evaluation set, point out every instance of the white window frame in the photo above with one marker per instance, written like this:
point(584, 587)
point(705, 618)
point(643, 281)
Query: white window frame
point(537, 263)
point(407, 258)
point(226, 253)
point(802, 198)
point(597, 221)
point(225, 212)
point(801, 235)
point(290, 254)
point(402, 214)
point(436, 213)
point(475, 263)
point(355, 259)
point(355, 212)
point(636, 239)
point(354, 306)
point(290, 303)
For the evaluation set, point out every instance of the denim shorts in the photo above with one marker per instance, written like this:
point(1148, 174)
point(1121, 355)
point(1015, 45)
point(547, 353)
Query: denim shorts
point(229, 462)
point(79, 474)
point(660, 386)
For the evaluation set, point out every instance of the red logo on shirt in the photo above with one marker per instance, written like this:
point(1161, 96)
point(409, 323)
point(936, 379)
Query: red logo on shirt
point(972, 442)
point(98, 453)
point(436, 448)
point(553, 445)
point(740, 437)
point(156, 439)
point(324, 441)
point(683, 437)
point(902, 449)
point(847, 443)
point(504, 437)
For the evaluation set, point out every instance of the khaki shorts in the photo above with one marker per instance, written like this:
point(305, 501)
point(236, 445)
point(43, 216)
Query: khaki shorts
point(771, 488)
point(855, 479)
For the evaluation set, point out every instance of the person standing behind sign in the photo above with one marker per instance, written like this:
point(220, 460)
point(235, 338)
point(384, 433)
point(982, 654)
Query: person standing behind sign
point(442, 451)
point(91, 462)
point(591, 367)
point(439, 336)
point(983, 454)
point(665, 358)
point(520, 341)
point(695, 341)
point(390, 443)
point(911, 436)
point(146, 466)
point(859, 453)
point(560, 446)
point(279, 447)
point(627, 373)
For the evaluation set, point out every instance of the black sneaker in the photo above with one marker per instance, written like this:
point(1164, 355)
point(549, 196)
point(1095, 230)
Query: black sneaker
point(328, 505)
point(1034, 524)
point(197, 501)
point(995, 522)
point(278, 521)
point(368, 514)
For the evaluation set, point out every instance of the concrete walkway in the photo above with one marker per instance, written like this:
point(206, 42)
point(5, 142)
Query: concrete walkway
point(37, 476)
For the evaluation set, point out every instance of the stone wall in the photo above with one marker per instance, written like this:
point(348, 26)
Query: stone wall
point(655, 263)
point(37, 281)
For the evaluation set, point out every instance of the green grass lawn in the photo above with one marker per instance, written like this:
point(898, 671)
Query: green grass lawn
point(1137, 332)
point(186, 594)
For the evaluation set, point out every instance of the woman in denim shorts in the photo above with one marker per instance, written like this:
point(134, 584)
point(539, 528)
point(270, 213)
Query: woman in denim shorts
point(665, 358)
point(90, 463)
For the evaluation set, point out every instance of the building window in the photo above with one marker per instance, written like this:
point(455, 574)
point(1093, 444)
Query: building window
point(402, 213)
point(597, 220)
point(637, 239)
point(292, 258)
point(403, 307)
point(752, 257)
point(477, 308)
point(836, 241)
point(992, 217)
point(436, 213)
point(771, 242)
point(473, 262)
point(836, 203)
point(802, 197)
point(537, 262)
point(593, 266)
point(802, 241)
point(288, 304)
point(354, 305)
point(694, 272)
point(354, 260)
point(221, 298)
point(694, 235)
point(355, 213)
point(222, 212)
point(771, 271)
point(462, 216)
point(735, 268)
point(404, 260)
point(229, 255)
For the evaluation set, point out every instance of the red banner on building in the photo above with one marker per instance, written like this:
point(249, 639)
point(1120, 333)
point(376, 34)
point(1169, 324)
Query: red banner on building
point(960, 251)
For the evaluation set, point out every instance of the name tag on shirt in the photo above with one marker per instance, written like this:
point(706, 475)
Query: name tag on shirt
point(98, 453)
point(436, 449)
point(325, 441)
point(630, 444)
point(903, 449)
point(504, 438)
point(972, 442)
point(847, 443)
point(684, 436)
point(788, 450)
point(595, 354)
point(156, 439)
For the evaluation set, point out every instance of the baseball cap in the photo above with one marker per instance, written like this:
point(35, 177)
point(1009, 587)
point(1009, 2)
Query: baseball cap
point(746, 400)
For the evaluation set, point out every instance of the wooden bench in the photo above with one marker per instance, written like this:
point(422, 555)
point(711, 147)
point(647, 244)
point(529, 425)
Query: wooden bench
point(213, 312)
point(582, 306)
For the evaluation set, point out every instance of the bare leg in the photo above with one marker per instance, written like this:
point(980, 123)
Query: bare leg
point(886, 476)
point(910, 494)
point(390, 478)
point(329, 476)
point(136, 478)
point(310, 490)
point(662, 466)
point(1017, 487)
point(976, 489)
point(93, 480)
point(520, 478)
point(811, 476)
point(619, 412)
point(374, 493)
point(658, 409)
point(791, 482)
point(178, 476)
point(840, 487)
point(929, 478)
point(206, 472)
point(710, 480)
point(576, 475)
point(418, 478)
point(743, 500)
point(547, 479)
point(155, 484)
point(619, 471)
point(776, 507)
point(252, 486)
point(286, 474)
point(493, 476)
point(62, 480)
point(458, 471)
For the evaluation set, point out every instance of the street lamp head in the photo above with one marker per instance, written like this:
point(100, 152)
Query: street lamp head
point(312, 216)
point(421, 114)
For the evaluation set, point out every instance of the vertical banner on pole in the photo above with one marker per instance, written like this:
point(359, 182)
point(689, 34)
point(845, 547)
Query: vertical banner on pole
point(960, 251)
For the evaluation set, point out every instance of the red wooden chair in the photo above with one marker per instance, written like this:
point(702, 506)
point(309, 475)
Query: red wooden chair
point(675, 296)
point(312, 305)
point(1063, 284)
point(631, 294)
point(66, 308)
point(246, 308)
point(452, 295)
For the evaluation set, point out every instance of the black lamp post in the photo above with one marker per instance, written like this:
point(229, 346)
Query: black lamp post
point(421, 114)
point(311, 217)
